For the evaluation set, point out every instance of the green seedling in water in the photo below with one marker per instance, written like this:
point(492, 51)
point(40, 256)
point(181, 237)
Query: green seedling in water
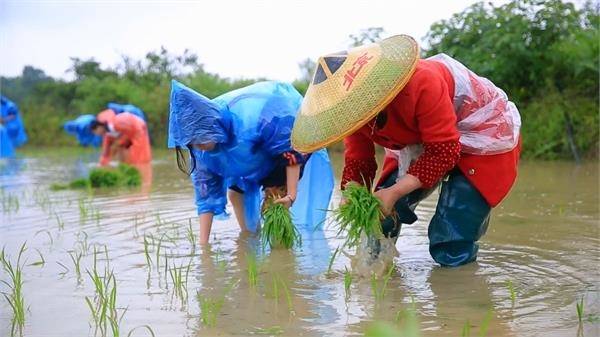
point(15, 297)
point(179, 278)
point(271, 331)
point(147, 252)
point(47, 234)
point(147, 327)
point(277, 281)
point(580, 309)
point(190, 235)
point(41, 261)
point(360, 214)
point(76, 258)
point(511, 291)
point(59, 221)
point(278, 229)
point(485, 325)
point(83, 209)
point(211, 307)
point(466, 330)
point(221, 262)
point(380, 290)
point(347, 282)
point(252, 270)
point(332, 259)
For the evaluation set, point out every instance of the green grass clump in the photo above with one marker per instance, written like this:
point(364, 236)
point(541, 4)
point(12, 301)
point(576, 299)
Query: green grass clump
point(15, 297)
point(278, 229)
point(123, 175)
point(360, 214)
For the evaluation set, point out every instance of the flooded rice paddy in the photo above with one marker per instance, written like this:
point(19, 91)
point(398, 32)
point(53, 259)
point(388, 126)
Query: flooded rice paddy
point(538, 259)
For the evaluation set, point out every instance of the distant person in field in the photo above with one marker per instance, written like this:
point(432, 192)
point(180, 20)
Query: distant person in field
point(238, 145)
point(12, 130)
point(439, 123)
point(124, 137)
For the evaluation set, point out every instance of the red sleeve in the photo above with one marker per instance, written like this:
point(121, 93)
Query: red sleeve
point(359, 160)
point(436, 121)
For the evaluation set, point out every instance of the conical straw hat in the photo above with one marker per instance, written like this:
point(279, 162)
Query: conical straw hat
point(350, 88)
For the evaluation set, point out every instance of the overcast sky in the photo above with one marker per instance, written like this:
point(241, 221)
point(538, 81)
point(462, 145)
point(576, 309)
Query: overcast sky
point(232, 38)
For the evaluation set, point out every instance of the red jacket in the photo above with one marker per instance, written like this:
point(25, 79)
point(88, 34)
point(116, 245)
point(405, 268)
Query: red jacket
point(133, 135)
point(423, 113)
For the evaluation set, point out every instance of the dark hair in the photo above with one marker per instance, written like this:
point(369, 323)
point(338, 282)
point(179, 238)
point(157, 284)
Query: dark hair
point(96, 124)
point(182, 161)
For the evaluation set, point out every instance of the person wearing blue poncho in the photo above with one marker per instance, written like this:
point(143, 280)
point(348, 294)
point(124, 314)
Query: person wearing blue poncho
point(80, 127)
point(12, 130)
point(239, 145)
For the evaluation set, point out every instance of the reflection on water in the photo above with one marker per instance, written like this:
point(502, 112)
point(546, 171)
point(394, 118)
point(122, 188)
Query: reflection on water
point(543, 239)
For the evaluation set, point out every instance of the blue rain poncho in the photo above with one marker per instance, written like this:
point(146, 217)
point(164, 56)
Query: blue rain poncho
point(119, 108)
point(6, 147)
point(11, 119)
point(251, 127)
point(81, 128)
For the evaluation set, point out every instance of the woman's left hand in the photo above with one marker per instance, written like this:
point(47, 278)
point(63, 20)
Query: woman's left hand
point(388, 199)
point(285, 201)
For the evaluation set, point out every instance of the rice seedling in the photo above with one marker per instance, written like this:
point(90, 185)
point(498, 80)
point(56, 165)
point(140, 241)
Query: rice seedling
point(180, 280)
point(466, 330)
point(485, 325)
point(360, 214)
point(380, 290)
point(10, 203)
point(59, 221)
point(252, 270)
point(82, 241)
point(347, 282)
point(157, 252)
point(15, 297)
point(147, 327)
point(332, 259)
point(278, 229)
point(190, 235)
point(580, 309)
point(220, 262)
point(66, 269)
point(103, 305)
point(76, 259)
point(147, 252)
point(124, 175)
point(288, 295)
point(83, 209)
point(211, 307)
point(270, 331)
point(511, 291)
point(410, 328)
point(47, 234)
point(41, 261)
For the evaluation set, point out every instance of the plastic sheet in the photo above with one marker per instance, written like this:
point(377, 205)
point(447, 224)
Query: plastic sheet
point(487, 121)
point(80, 128)
point(120, 108)
point(12, 121)
point(251, 127)
point(6, 148)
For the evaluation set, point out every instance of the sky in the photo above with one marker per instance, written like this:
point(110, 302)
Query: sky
point(234, 38)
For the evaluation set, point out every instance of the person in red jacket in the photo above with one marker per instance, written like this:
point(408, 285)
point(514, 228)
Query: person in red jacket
point(125, 136)
point(439, 124)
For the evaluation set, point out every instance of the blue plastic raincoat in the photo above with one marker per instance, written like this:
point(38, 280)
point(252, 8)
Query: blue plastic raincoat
point(12, 124)
point(81, 128)
point(119, 108)
point(251, 127)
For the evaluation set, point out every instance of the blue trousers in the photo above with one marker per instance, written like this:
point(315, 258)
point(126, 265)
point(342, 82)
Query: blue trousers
point(461, 218)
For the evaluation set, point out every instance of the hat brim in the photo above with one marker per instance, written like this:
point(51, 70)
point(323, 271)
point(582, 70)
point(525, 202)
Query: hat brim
point(317, 129)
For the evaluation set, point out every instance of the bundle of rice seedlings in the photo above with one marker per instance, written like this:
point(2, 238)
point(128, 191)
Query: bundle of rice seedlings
point(278, 229)
point(130, 175)
point(360, 214)
point(104, 177)
point(123, 175)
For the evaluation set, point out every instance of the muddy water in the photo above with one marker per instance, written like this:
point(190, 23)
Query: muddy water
point(544, 239)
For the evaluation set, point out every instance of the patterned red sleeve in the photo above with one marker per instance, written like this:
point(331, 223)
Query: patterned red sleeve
point(361, 171)
point(435, 161)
